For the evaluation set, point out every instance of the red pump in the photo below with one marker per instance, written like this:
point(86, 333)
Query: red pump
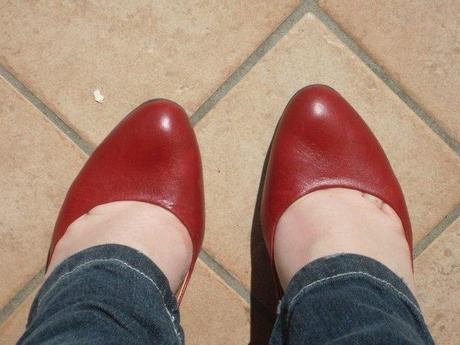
point(151, 156)
point(321, 142)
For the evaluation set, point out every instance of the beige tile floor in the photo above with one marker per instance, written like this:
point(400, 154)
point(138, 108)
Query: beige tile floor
point(233, 65)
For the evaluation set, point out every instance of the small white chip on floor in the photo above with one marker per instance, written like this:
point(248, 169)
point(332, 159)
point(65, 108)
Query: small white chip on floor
point(98, 97)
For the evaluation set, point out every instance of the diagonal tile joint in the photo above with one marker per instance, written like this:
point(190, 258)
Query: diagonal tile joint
point(28, 289)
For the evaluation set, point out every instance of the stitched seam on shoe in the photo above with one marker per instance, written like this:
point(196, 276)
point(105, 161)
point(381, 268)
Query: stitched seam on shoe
point(171, 317)
point(342, 275)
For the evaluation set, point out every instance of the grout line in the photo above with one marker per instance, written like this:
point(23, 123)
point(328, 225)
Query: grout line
point(234, 283)
point(250, 62)
point(44, 109)
point(222, 272)
point(332, 25)
point(21, 296)
point(437, 231)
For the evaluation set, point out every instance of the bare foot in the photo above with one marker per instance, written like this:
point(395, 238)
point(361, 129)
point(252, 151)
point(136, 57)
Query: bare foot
point(339, 220)
point(150, 229)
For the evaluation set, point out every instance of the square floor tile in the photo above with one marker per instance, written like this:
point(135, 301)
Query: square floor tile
point(437, 279)
point(235, 135)
point(416, 42)
point(37, 166)
point(130, 51)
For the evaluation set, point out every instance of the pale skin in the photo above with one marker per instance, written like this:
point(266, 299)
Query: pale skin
point(338, 220)
point(322, 223)
point(148, 228)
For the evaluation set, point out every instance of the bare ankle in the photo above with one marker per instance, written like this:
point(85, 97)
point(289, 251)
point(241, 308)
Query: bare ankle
point(336, 221)
point(150, 229)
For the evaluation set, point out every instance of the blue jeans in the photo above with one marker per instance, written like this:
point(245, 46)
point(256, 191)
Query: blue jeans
point(112, 294)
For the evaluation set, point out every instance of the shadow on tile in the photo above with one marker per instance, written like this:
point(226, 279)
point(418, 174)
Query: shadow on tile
point(263, 298)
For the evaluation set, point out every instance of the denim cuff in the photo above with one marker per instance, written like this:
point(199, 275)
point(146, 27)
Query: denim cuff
point(345, 266)
point(123, 261)
point(348, 299)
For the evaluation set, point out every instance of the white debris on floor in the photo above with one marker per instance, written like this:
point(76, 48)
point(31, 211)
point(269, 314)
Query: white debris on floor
point(98, 97)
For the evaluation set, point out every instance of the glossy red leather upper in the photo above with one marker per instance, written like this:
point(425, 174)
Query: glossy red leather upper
point(151, 156)
point(322, 142)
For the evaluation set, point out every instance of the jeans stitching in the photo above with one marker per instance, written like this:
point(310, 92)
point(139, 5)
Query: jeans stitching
point(171, 317)
point(341, 275)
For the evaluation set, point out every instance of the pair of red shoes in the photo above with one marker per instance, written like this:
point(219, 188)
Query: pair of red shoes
point(153, 156)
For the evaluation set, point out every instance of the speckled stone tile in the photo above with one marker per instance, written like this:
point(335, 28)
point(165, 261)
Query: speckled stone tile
point(131, 51)
point(416, 42)
point(235, 135)
point(37, 166)
point(210, 314)
point(437, 279)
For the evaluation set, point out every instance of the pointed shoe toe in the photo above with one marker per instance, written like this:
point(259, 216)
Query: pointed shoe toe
point(151, 156)
point(321, 142)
